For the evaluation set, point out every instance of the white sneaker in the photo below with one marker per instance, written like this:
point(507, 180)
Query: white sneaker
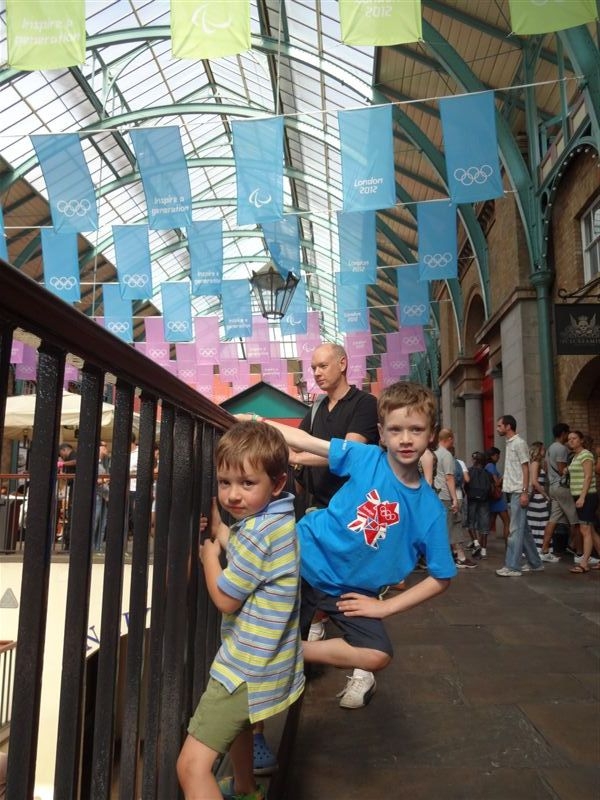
point(316, 632)
point(505, 572)
point(483, 553)
point(528, 568)
point(592, 561)
point(549, 557)
point(358, 690)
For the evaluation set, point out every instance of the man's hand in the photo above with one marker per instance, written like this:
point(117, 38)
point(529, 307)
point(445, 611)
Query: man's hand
point(360, 605)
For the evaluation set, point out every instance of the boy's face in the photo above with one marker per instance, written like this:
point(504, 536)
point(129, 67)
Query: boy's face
point(406, 435)
point(246, 491)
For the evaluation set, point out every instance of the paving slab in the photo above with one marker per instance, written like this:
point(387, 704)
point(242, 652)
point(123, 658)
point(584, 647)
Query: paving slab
point(493, 694)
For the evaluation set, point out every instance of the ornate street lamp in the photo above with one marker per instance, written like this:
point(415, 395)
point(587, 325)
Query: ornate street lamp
point(272, 292)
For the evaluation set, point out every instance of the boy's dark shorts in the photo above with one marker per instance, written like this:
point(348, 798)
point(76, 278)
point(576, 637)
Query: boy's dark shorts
point(357, 631)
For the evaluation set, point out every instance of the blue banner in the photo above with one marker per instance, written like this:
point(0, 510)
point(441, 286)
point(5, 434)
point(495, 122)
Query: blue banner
point(437, 241)
point(177, 311)
point(258, 154)
point(70, 189)
point(413, 297)
point(358, 247)
point(61, 264)
point(117, 312)
point(295, 320)
point(352, 307)
point(132, 251)
point(367, 149)
point(471, 148)
point(165, 178)
point(237, 308)
point(283, 242)
point(3, 247)
point(205, 243)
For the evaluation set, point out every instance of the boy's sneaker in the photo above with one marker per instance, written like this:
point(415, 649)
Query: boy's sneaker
point(465, 563)
point(316, 632)
point(528, 568)
point(549, 557)
point(483, 553)
point(265, 761)
point(358, 690)
point(226, 789)
point(505, 572)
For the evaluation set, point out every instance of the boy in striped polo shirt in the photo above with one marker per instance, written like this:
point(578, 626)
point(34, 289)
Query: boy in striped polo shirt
point(258, 670)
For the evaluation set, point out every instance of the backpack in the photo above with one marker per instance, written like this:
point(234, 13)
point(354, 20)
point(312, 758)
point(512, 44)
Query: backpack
point(479, 485)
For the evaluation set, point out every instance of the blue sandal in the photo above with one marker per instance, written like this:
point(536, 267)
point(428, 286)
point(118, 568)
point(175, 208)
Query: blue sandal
point(265, 761)
point(226, 789)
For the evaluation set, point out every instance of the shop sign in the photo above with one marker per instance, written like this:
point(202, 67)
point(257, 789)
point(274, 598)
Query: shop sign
point(577, 329)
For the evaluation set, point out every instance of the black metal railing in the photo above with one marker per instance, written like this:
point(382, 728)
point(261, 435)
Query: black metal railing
point(7, 676)
point(141, 687)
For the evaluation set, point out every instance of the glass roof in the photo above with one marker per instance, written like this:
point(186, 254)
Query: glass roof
point(297, 67)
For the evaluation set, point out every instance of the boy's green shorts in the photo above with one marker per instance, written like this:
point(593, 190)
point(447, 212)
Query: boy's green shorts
point(220, 716)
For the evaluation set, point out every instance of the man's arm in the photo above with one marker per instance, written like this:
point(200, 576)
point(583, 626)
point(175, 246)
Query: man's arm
point(359, 605)
point(295, 438)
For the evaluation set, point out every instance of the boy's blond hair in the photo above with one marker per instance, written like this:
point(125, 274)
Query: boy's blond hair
point(254, 443)
point(411, 396)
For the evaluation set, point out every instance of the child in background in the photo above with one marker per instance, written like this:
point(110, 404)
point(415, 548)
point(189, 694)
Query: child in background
point(258, 670)
point(372, 532)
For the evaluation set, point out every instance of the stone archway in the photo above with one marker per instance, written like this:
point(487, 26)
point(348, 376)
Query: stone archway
point(583, 400)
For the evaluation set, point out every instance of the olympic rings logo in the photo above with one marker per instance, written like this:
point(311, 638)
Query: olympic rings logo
point(74, 208)
point(207, 352)
point(178, 326)
point(228, 371)
point(118, 327)
point(135, 280)
point(473, 174)
point(187, 373)
point(411, 340)
point(414, 310)
point(437, 260)
point(399, 365)
point(157, 352)
point(62, 283)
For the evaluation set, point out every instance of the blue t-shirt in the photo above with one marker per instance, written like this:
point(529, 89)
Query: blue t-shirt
point(374, 528)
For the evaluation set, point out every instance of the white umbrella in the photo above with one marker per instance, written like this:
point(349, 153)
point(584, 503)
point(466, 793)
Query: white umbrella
point(20, 409)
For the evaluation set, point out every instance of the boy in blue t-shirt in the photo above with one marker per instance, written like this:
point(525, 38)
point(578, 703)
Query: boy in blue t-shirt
point(373, 531)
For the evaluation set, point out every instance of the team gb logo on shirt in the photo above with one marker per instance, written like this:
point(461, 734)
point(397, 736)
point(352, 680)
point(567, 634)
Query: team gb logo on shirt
point(373, 518)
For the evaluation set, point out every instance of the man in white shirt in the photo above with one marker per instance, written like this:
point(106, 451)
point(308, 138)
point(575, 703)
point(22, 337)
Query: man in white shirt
point(515, 485)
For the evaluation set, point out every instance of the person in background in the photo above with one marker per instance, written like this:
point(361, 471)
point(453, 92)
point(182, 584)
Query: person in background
point(562, 507)
point(101, 503)
point(445, 486)
point(258, 669)
point(583, 486)
point(498, 506)
point(478, 503)
point(538, 509)
point(67, 464)
point(133, 465)
point(515, 485)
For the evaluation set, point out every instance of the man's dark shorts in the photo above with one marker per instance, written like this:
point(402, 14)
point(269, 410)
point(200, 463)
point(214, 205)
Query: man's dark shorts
point(357, 631)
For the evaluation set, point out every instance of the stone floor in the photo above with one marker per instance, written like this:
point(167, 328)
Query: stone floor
point(493, 694)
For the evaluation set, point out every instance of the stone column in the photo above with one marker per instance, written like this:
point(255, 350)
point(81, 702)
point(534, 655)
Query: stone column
point(458, 426)
point(473, 424)
point(498, 393)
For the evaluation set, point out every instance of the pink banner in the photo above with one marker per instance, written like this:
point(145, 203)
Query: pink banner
point(159, 352)
point(16, 352)
point(359, 344)
point(207, 339)
point(228, 351)
point(313, 324)
point(154, 329)
point(228, 371)
point(27, 369)
point(394, 365)
point(357, 371)
point(273, 369)
point(260, 329)
point(257, 351)
point(185, 351)
point(412, 339)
